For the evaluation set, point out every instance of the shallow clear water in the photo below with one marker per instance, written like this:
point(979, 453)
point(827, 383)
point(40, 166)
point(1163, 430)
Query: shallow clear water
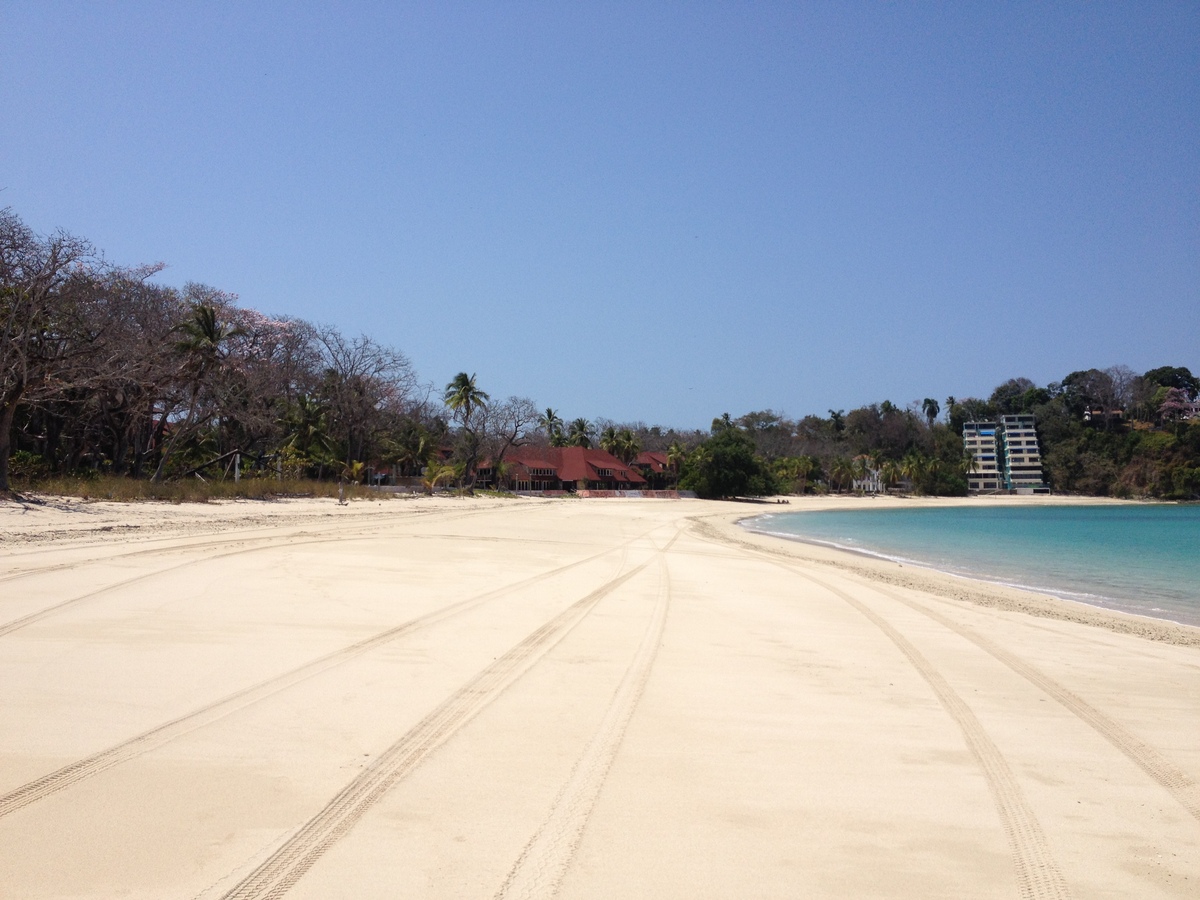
point(1138, 558)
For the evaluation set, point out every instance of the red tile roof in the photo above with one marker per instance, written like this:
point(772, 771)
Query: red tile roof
point(656, 462)
point(573, 463)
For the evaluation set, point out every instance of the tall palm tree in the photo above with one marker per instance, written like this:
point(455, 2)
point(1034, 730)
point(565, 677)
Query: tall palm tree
point(203, 337)
point(202, 346)
point(804, 468)
point(463, 397)
point(580, 434)
point(931, 408)
point(889, 474)
point(552, 425)
point(409, 448)
point(913, 467)
point(676, 454)
point(628, 446)
point(307, 426)
point(970, 462)
point(841, 471)
point(933, 467)
point(609, 441)
point(860, 467)
point(787, 472)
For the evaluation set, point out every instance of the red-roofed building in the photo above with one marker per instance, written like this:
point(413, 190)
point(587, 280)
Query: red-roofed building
point(655, 469)
point(562, 469)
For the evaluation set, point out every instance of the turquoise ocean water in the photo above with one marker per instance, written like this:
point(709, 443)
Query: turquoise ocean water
point(1138, 558)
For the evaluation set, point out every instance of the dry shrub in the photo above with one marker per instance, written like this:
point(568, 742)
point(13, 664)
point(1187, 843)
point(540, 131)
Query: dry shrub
point(129, 490)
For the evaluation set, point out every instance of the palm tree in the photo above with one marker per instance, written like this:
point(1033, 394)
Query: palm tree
point(970, 462)
point(552, 425)
point(787, 472)
point(608, 440)
point(580, 434)
point(408, 448)
point(804, 468)
point(501, 471)
point(464, 397)
point(203, 338)
point(889, 474)
point(676, 454)
point(841, 471)
point(931, 408)
point(308, 442)
point(933, 467)
point(628, 446)
point(201, 345)
point(860, 467)
point(438, 472)
point(307, 426)
point(913, 467)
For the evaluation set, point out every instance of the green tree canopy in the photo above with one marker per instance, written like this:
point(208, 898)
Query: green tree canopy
point(725, 466)
point(1175, 377)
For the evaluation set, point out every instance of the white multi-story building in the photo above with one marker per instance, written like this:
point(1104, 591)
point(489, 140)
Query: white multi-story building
point(1007, 457)
point(979, 439)
point(1022, 457)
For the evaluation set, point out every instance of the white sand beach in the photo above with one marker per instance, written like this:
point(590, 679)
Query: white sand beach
point(488, 698)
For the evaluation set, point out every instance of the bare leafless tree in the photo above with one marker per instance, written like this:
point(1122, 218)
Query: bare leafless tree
point(41, 298)
point(507, 424)
point(363, 381)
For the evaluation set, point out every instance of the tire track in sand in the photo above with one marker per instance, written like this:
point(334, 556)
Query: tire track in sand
point(539, 870)
point(70, 774)
point(276, 875)
point(208, 540)
point(1160, 769)
point(47, 611)
point(265, 545)
point(1038, 876)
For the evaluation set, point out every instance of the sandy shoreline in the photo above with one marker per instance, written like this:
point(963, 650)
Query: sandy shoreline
point(964, 587)
point(585, 699)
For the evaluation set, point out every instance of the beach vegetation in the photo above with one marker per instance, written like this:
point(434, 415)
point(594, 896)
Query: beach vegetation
point(439, 473)
point(105, 374)
point(580, 433)
point(90, 485)
point(726, 466)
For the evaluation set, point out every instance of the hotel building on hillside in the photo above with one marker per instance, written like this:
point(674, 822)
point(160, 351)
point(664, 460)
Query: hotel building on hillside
point(979, 439)
point(1007, 456)
point(1022, 456)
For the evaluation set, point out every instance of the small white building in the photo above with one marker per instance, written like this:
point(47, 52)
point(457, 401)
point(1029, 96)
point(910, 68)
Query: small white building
point(871, 483)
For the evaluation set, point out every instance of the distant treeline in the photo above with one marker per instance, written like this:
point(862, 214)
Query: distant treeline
point(104, 372)
point(1105, 432)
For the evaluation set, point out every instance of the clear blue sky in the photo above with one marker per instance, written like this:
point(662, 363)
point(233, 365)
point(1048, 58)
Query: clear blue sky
point(643, 211)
